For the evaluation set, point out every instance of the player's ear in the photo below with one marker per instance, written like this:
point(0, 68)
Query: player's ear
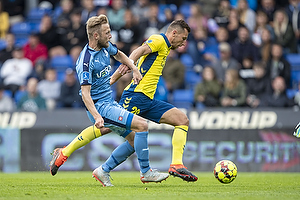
point(96, 35)
point(174, 32)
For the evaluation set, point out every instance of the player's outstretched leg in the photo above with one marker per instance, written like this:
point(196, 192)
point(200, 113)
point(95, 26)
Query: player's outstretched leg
point(58, 160)
point(60, 155)
point(297, 131)
point(102, 176)
point(178, 142)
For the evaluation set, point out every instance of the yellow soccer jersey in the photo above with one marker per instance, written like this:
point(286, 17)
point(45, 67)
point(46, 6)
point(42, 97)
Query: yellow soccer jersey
point(151, 65)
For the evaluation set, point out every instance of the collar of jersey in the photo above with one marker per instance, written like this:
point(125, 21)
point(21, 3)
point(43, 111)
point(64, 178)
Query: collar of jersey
point(166, 39)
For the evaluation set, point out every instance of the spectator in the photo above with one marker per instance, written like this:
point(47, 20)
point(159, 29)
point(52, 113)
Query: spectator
point(69, 93)
point(277, 97)
point(89, 10)
point(258, 85)
point(209, 7)
point(292, 11)
point(261, 24)
point(225, 62)
point(49, 88)
point(140, 10)
point(15, 71)
point(197, 20)
point(76, 33)
point(246, 70)
point(201, 47)
point(234, 91)
point(211, 53)
point(129, 34)
point(39, 69)
point(35, 50)
point(49, 36)
point(15, 9)
point(115, 14)
point(284, 34)
point(6, 53)
point(269, 7)
point(278, 65)
point(243, 46)
point(4, 19)
point(265, 47)
point(173, 72)
point(63, 21)
point(221, 15)
point(208, 91)
point(246, 14)
point(31, 100)
point(6, 103)
point(152, 24)
point(233, 25)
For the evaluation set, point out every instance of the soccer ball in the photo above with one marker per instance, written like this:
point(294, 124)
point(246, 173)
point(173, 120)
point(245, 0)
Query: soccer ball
point(225, 171)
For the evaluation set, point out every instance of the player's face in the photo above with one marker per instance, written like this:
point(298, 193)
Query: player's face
point(105, 36)
point(179, 39)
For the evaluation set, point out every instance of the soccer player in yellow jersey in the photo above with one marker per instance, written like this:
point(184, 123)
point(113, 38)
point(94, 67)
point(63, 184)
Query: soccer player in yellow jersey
point(139, 99)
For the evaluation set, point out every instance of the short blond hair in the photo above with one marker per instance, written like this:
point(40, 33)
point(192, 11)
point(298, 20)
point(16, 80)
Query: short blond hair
point(93, 24)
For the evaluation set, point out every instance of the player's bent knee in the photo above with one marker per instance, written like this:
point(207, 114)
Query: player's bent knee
point(139, 124)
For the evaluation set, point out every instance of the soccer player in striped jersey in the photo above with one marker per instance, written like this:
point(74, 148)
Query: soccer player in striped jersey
point(93, 69)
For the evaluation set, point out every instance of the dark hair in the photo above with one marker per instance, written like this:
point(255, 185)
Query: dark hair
point(179, 23)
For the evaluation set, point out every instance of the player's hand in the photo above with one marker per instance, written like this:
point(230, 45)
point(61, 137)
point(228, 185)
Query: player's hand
point(297, 131)
point(123, 69)
point(99, 122)
point(137, 76)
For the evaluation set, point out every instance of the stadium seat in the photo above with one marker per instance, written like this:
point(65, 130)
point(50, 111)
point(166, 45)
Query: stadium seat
point(294, 60)
point(2, 44)
point(185, 10)
point(35, 15)
point(163, 7)
point(187, 60)
point(290, 93)
point(295, 78)
point(183, 98)
point(192, 79)
point(21, 29)
point(61, 63)
point(19, 94)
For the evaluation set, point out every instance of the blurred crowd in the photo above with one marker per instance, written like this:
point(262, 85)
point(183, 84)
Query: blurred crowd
point(235, 55)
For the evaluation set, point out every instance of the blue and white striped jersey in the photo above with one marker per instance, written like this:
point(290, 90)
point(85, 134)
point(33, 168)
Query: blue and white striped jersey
point(93, 68)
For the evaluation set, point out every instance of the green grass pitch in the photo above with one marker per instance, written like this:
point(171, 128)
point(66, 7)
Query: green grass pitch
point(81, 185)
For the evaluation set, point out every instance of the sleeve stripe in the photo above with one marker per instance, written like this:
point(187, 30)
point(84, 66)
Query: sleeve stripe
point(86, 63)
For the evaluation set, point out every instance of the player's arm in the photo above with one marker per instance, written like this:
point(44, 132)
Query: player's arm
point(89, 104)
point(140, 51)
point(121, 57)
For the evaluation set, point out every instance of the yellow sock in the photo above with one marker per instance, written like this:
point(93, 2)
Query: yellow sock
point(178, 142)
point(82, 139)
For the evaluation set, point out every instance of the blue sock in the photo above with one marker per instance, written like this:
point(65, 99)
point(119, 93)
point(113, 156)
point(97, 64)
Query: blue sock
point(119, 155)
point(142, 150)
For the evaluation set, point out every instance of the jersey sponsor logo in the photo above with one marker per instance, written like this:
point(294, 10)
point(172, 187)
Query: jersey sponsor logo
point(104, 72)
point(86, 75)
point(120, 118)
